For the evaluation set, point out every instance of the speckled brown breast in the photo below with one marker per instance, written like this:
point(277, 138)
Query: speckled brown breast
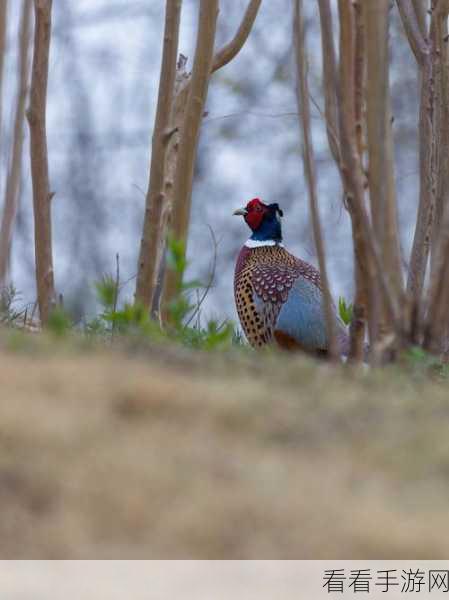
point(263, 279)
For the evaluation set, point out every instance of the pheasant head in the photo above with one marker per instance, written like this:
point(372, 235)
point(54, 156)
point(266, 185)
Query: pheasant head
point(264, 220)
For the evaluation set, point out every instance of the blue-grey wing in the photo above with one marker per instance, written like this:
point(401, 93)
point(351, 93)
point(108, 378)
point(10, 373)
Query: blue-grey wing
point(301, 317)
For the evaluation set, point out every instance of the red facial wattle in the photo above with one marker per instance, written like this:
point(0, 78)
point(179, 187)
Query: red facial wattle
point(254, 219)
point(255, 213)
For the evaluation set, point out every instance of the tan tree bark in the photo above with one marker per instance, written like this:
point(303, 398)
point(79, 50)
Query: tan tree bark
point(178, 113)
point(366, 248)
point(181, 91)
point(424, 49)
point(380, 148)
point(330, 77)
point(366, 294)
point(151, 246)
point(349, 75)
point(39, 159)
point(231, 49)
point(10, 204)
point(309, 171)
point(440, 37)
point(189, 136)
point(436, 330)
point(421, 7)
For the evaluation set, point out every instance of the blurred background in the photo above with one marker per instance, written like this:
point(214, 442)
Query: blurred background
point(103, 83)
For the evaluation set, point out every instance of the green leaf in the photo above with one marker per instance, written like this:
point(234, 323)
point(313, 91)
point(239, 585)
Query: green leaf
point(345, 311)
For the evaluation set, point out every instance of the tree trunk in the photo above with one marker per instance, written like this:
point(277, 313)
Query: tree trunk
point(330, 77)
point(380, 149)
point(181, 92)
point(303, 98)
point(436, 330)
point(15, 168)
point(189, 136)
point(39, 159)
point(3, 20)
point(152, 242)
point(366, 249)
point(424, 50)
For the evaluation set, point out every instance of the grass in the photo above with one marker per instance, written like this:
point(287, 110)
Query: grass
point(152, 450)
point(122, 440)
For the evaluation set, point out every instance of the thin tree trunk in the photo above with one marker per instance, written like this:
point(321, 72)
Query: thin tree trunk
point(353, 176)
point(181, 90)
point(3, 29)
point(309, 170)
point(421, 7)
point(440, 36)
point(189, 136)
point(330, 77)
point(181, 93)
point(151, 246)
point(15, 168)
point(351, 78)
point(39, 160)
point(380, 148)
point(426, 57)
point(437, 315)
point(366, 248)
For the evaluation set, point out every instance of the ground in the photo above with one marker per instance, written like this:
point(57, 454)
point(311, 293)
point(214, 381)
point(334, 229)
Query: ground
point(169, 453)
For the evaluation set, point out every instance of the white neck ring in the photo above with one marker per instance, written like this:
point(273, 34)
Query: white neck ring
point(261, 243)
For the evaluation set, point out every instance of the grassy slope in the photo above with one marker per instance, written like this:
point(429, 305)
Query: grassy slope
point(172, 455)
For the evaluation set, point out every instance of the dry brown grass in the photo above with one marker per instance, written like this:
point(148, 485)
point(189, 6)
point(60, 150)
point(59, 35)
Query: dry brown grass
point(172, 455)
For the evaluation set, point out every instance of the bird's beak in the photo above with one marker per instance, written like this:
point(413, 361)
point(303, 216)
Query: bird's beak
point(241, 212)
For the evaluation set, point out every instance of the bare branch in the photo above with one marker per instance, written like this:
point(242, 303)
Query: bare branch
point(39, 159)
point(309, 171)
point(232, 48)
point(15, 168)
point(411, 23)
point(152, 237)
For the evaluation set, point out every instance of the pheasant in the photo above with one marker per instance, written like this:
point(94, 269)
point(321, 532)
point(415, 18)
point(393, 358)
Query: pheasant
point(279, 296)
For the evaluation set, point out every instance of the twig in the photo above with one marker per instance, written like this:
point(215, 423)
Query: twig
point(116, 293)
point(211, 277)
